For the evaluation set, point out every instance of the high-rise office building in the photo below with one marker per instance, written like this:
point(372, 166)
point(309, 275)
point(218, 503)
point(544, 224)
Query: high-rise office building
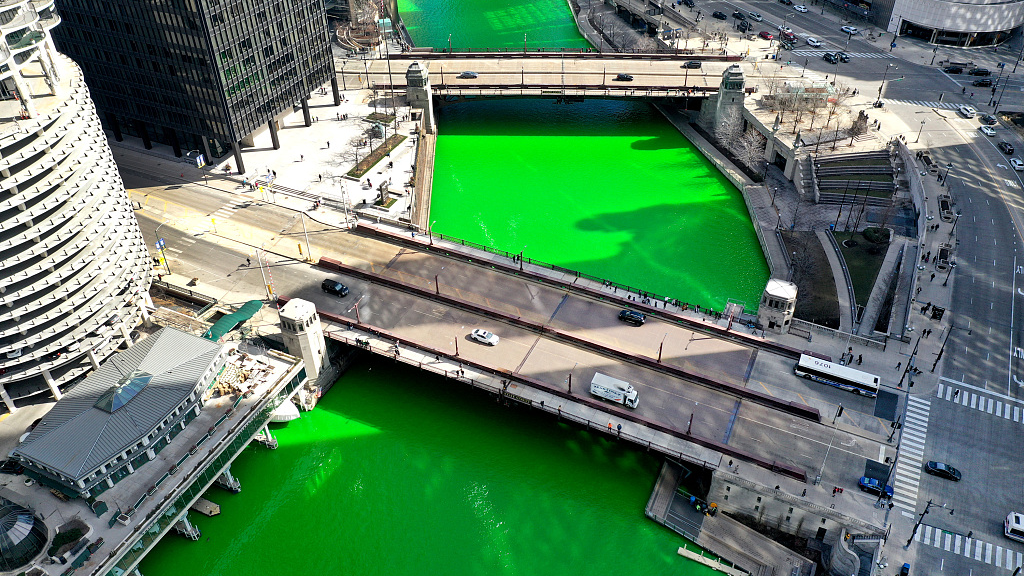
point(73, 265)
point(202, 75)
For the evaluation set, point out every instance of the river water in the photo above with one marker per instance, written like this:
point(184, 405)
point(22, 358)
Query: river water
point(401, 473)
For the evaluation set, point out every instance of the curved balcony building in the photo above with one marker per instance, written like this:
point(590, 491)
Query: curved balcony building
point(964, 23)
point(73, 265)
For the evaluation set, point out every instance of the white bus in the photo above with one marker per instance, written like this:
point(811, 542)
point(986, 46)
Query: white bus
point(849, 379)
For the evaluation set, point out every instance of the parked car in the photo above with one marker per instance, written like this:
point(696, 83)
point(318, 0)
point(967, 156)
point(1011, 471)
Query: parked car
point(987, 130)
point(468, 74)
point(843, 56)
point(872, 486)
point(953, 70)
point(830, 58)
point(800, 8)
point(739, 15)
point(692, 64)
point(688, 3)
point(632, 317)
point(979, 72)
point(786, 2)
point(719, 14)
point(1006, 147)
point(982, 83)
point(334, 287)
point(756, 16)
point(989, 120)
point(766, 35)
point(1017, 164)
point(966, 111)
point(11, 467)
point(811, 41)
point(941, 469)
point(484, 337)
point(851, 30)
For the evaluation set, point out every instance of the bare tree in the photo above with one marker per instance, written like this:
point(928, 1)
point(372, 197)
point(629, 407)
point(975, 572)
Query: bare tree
point(646, 45)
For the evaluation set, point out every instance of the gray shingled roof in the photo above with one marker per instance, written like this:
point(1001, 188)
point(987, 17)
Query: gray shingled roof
point(75, 436)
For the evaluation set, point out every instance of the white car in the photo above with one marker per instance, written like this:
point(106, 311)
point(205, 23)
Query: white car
point(484, 337)
point(967, 111)
point(784, 28)
point(813, 42)
point(800, 8)
point(987, 131)
point(850, 30)
point(756, 17)
point(1017, 164)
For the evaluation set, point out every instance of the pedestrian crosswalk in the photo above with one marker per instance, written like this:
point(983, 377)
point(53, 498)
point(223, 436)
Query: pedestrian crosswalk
point(925, 103)
point(851, 54)
point(911, 455)
point(999, 408)
point(969, 547)
point(225, 212)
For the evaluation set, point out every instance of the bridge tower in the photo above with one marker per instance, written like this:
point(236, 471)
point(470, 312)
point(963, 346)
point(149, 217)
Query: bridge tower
point(303, 335)
point(419, 94)
point(722, 114)
point(777, 304)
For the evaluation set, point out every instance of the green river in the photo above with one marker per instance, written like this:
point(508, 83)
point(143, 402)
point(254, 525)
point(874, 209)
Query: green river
point(401, 473)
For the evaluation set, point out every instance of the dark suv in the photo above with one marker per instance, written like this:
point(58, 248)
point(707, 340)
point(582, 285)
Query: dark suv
point(953, 70)
point(720, 15)
point(830, 58)
point(692, 64)
point(334, 287)
point(979, 72)
point(1006, 147)
point(982, 82)
point(989, 120)
point(632, 317)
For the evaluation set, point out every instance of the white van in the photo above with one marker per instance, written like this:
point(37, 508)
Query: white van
point(1013, 526)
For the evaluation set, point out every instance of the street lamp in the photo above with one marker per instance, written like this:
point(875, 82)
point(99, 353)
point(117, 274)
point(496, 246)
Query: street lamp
point(430, 232)
point(882, 84)
point(943, 179)
point(955, 220)
point(943, 347)
point(951, 266)
point(773, 196)
point(921, 519)
point(923, 122)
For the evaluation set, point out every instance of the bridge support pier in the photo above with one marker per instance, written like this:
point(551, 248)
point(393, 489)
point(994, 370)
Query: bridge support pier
point(228, 481)
point(187, 528)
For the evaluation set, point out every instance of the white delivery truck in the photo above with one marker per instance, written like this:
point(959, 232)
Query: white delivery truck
point(613, 389)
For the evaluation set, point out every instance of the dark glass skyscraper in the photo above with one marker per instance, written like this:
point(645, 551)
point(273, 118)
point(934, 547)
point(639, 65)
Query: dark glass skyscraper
point(198, 74)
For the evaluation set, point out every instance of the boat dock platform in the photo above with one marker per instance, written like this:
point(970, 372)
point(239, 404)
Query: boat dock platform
point(205, 507)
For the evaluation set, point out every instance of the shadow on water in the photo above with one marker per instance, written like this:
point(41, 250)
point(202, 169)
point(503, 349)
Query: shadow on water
point(397, 472)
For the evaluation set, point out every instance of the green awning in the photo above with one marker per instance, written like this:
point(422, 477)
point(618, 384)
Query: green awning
point(229, 322)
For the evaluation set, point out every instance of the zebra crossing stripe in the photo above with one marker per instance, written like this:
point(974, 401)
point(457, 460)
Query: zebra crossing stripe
point(956, 545)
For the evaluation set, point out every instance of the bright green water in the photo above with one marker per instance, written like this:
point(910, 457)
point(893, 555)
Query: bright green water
point(400, 473)
point(606, 187)
point(491, 24)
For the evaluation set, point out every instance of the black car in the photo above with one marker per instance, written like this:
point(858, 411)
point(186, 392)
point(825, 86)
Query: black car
point(989, 120)
point(632, 317)
point(786, 2)
point(719, 15)
point(624, 77)
point(743, 26)
point(983, 83)
point(11, 467)
point(691, 64)
point(334, 287)
point(739, 15)
point(843, 56)
point(688, 3)
point(979, 72)
point(942, 470)
point(953, 70)
point(830, 58)
point(1006, 147)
